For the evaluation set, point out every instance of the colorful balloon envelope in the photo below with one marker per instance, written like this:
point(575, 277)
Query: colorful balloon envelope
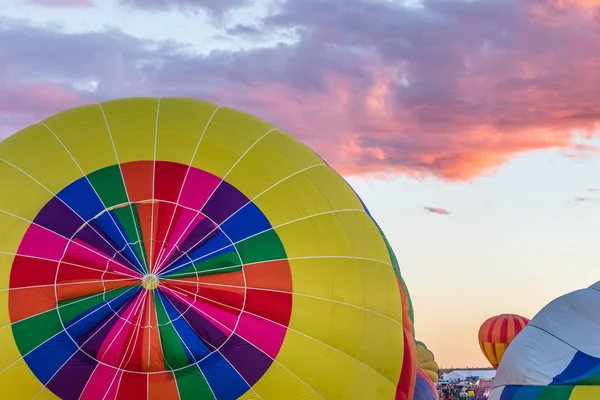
point(408, 374)
point(426, 361)
point(173, 249)
point(425, 388)
point(496, 333)
point(556, 356)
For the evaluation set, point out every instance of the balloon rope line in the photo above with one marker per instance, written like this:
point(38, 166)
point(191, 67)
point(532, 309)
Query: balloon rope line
point(84, 175)
point(133, 217)
point(187, 172)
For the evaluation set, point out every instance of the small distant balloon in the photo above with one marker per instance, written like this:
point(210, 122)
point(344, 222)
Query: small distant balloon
point(496, 333)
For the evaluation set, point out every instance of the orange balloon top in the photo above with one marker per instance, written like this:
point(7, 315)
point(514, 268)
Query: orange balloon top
point(496, 333)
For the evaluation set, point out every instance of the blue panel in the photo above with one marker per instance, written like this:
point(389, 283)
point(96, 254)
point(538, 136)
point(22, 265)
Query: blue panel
point(111, 227)
point(191, 341)
point(224, 380)
point(82, 198)
point(509, 392)
point(527, 392)
point(422, 390)
point(218, 244)
point(582, 366)
point(47, 359)
point(87, 321)
point(248, 221)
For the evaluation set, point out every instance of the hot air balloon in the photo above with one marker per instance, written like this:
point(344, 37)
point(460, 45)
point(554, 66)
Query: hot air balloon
point(556, 356)
point(174, 249)
point(425, 388)
point(408, 374)
point(426, 361)
point(496, 333)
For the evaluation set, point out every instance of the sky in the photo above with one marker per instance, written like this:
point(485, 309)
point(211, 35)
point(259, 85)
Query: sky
point(468, 127)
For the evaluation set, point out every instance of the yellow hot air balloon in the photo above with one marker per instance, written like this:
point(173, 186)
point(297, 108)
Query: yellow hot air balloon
point(427, 362)
point(173, 249)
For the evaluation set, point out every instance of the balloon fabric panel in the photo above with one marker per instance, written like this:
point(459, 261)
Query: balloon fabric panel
point(496, 333)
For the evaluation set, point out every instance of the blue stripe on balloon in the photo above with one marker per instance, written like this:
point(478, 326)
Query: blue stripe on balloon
point(50, 356)
point(224, 380)
point(192, 343)
point(219, 244)
point(87, 321)
point(248, 221)
point(111, 227)
point(82, 198)
point(582, 367)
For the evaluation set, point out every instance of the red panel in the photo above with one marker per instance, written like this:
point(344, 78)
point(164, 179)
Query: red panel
point(133, 387)
point(274, 306)
point(221, 297)
point(164, 222)
point(169, 180)
point(408, 375)
point(27, 271)
point(70, 273)
point(274, 275)
point(139, 179)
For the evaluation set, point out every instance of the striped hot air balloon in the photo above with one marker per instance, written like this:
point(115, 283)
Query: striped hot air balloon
point(496, 333)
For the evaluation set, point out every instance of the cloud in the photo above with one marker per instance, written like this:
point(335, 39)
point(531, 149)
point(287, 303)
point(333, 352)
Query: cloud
point(584, 199)
point(435, 210)
point(63, 3)
point(453, 89)
point(582, 151)
point(213, 7)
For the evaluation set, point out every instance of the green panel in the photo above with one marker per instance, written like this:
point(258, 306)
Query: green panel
point(222, 263)
point(192, 385)
point(555, 393)
point(31, 332)
point(71, 309)
point(263, 247)
point(108, 182)
point(129, 219)
point(396, 266)
point(173, 350)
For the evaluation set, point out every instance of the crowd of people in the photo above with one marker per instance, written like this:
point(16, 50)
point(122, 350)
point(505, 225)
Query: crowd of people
point(453, 391)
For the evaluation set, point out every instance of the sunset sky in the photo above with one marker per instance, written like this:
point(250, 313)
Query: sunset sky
point(470, 128)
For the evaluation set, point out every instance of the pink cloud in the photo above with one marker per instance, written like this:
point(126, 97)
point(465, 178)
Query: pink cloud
point(63, 3)
point(435, 210)
point(454, 89)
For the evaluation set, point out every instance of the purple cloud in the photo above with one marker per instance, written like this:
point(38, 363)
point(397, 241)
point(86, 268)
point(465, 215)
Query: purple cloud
point(454, 89)
point(213, 7)
point(63, 3)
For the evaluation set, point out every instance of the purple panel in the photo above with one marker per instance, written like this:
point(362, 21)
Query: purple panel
point(198, 235)
point(206, 331)
point(70, 380)
point(225, 201)
point(101, 331)
point(202, 233)
point(59, 218)
point(250, 362)
point(101, 242)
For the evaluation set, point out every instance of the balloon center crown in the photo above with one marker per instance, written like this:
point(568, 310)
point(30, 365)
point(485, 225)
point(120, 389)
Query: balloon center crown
point(150, 281)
